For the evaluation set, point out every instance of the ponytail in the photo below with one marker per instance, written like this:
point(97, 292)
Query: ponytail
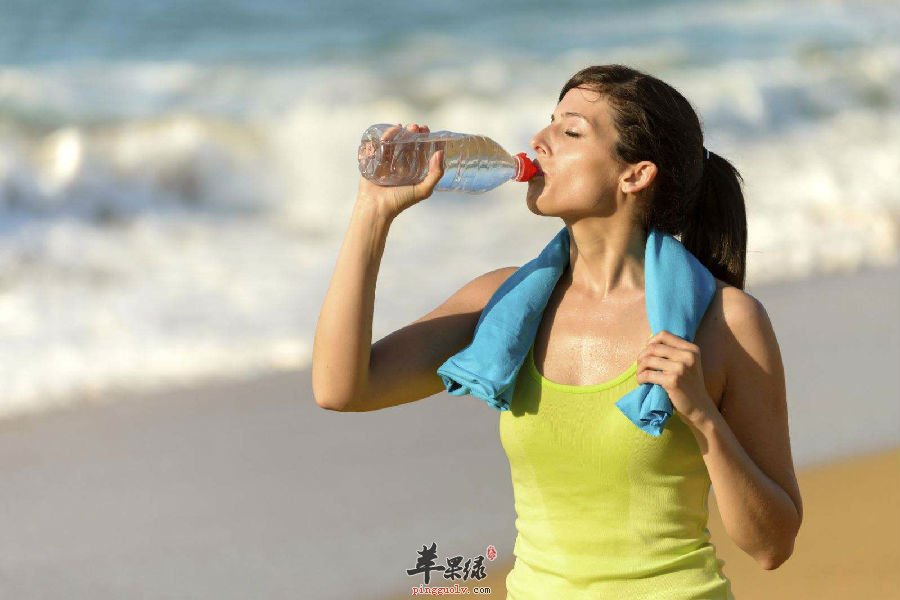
point(716, 232)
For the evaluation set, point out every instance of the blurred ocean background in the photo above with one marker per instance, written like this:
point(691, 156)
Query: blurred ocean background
point(176, 178)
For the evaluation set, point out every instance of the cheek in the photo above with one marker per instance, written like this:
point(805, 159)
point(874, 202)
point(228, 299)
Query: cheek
point(588, 172)
point(577, 185)
point(588, 187)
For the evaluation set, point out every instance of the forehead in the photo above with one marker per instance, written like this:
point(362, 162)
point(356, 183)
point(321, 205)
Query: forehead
point(589, 103)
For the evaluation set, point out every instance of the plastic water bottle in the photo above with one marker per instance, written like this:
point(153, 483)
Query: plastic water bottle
point(472, 163)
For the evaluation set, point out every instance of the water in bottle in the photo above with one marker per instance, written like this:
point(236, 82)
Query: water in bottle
point(472, 163)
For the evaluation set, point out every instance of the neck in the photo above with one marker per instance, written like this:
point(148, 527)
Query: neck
point(606, 260)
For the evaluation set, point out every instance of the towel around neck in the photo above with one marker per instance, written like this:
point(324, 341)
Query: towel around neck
point(678, 289)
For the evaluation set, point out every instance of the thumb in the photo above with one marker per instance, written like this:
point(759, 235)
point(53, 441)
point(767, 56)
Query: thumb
point(435, 171)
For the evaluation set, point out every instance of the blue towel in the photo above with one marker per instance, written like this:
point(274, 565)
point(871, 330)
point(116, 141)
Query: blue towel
point(678, 290)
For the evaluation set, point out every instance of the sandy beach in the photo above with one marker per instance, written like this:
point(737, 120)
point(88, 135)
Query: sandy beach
point(249, 490)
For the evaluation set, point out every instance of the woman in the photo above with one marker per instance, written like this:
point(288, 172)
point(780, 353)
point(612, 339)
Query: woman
point(604, 510)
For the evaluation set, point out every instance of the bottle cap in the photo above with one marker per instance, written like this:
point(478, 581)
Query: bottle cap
point(525, 169)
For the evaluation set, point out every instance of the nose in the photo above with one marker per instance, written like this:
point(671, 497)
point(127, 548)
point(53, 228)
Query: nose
point(539, 142)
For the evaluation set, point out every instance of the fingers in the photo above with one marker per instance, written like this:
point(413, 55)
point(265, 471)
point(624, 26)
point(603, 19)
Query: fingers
point(393, 131)
point(399, 134)
point(390, 133)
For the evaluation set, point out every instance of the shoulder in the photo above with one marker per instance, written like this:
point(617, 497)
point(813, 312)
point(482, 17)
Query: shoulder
point(496, 277)
point(492, 279)
point(506, 271)
point(739, 325)
point(746, 332)
point(479, 290)
point(741, 312)
point(729, 305)
point(734, 304)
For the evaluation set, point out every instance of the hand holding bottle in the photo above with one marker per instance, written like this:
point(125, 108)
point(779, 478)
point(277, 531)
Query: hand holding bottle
point(391, 156)
point(392, 200)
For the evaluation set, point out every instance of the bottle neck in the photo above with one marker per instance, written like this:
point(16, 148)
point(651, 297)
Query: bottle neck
point(525, 169)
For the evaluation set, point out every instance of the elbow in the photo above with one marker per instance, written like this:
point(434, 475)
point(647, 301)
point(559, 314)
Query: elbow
point(779, 554)
point(329, 397)
point(770, 564)
point(775, 559)
point(330, 403)
point(333, 407)
point(335, 395)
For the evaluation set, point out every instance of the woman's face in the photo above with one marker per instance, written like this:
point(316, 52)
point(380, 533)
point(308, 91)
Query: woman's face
point(577, 157)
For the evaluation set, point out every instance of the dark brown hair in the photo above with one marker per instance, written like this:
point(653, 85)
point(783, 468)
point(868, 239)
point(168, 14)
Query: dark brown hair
point(699, 199)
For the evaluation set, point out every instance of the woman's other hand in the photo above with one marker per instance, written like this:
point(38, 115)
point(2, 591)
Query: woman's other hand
point(674, 363)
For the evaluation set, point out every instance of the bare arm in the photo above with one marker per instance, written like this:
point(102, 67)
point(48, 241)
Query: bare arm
point(403, 366)
point(343, 336)
point(747, 447)
point(344, 329)
point(349, 372)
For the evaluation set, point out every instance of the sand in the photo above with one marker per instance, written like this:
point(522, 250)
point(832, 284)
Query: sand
point(849, 543)
point(249, 490)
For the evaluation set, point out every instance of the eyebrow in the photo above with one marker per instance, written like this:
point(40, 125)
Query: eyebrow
point(574, 114)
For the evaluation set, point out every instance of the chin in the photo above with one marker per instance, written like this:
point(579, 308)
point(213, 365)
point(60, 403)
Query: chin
point(534, 193)
point(531, 202)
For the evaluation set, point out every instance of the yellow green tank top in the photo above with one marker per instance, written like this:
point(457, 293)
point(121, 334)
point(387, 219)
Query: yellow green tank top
point(603, 509)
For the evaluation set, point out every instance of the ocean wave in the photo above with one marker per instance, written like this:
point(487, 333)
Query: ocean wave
point(167, 221)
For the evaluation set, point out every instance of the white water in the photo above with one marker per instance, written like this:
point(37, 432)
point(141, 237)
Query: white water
point(164, 222)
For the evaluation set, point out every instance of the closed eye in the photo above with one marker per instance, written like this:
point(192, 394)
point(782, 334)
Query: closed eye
point(568, 133)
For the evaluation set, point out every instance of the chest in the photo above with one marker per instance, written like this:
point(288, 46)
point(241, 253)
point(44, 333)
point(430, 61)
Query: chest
point(584, 342)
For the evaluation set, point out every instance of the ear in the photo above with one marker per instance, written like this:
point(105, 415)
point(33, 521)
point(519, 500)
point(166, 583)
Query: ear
point(637, 177)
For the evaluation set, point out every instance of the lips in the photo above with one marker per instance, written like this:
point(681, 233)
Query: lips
point(540, 170)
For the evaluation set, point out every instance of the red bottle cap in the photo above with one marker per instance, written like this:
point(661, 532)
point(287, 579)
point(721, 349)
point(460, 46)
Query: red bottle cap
point(525, 169)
